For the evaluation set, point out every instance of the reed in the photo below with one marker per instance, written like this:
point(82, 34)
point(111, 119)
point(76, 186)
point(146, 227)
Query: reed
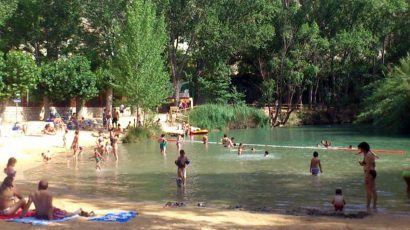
point(136, 134)
point(217, 116)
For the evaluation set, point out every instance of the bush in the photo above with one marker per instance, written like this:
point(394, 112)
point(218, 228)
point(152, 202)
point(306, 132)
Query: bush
point(134, 135)
point(216, 116)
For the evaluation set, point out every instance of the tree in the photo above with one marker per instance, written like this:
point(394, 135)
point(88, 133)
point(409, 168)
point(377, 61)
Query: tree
point(20, 74)
point(389, 101)
point(7, 8)
point(69, 78)
point(139, 66)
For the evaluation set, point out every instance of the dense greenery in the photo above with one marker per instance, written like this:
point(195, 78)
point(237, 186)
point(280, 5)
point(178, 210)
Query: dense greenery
point(388, 105)
point(218, 116)
point(285, 52)
point(141, 133)
point(140, 65)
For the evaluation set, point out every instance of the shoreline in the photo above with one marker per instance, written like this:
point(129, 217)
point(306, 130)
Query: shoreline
point(152, 215)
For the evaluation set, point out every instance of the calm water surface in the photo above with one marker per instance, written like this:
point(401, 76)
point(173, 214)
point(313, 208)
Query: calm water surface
point(219, 177)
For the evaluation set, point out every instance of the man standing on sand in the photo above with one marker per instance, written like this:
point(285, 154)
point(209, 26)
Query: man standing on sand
point(115, 116)
point(369, 167)
point(43, 203)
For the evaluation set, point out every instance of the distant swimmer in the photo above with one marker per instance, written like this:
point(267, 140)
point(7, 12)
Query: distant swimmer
point(266, 154)
point(326, 143)
point(205, 139)
point(315, 165)
point(233, 141)
point(253, 150)
point(226, 142)
point(241, 147)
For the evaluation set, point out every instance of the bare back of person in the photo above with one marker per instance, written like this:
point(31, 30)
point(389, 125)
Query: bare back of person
point(43, 202)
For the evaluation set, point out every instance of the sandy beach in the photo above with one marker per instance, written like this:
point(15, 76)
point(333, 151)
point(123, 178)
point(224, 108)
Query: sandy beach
point(27, 150)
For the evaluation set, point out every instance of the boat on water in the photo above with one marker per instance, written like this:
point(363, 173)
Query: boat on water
point(199, 132)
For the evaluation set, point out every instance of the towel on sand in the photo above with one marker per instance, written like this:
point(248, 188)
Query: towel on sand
point(16, 215)
point(121, 217)
point(34, 221)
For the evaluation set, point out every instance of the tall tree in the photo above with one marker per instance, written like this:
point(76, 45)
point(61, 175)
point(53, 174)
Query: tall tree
point(139, 65)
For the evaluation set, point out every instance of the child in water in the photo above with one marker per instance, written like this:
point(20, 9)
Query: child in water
point(181, 163)
point(240, 149)
point(162, 144)
point(9, 170)
point(98, 158)
point(315, 165)
point(338, 200)
point(205, 139)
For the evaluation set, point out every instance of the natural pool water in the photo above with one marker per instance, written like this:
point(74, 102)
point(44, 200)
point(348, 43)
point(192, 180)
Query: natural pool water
point(218, 177)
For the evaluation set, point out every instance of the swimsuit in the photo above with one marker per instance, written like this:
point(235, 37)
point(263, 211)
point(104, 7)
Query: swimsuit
point(315, 171)
point(163, 145)
point(97, 159)
point(57, 214)
point(5, 212)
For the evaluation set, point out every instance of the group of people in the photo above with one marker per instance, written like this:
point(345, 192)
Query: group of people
point(111, 119)
point(13, 203)
point(369, 168)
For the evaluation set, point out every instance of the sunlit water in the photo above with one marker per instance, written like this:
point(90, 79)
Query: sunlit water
point(218, 177)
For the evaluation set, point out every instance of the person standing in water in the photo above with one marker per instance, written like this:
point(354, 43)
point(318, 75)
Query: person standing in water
point(369, 168)
point(115, 146)
point(75, 144)
point(162, 144)
point(205, 139)
point(315, 165)
point(181, 163)
point(240, 149)
point(179, 142)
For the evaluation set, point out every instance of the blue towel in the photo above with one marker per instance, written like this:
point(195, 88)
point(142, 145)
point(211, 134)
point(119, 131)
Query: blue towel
point(121, 217)
point(34, 221)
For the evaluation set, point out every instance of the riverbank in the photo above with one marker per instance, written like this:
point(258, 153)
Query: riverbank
point(153, 215)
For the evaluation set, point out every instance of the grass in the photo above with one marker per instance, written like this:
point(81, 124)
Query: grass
point(216, 116)
point(136, 134)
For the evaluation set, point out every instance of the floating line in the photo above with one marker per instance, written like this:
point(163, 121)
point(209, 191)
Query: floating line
point(381, 151)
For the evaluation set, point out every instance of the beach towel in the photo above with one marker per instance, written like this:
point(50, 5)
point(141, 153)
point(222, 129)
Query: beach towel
point(16, 215)
point(120, 217)
point(34, 221)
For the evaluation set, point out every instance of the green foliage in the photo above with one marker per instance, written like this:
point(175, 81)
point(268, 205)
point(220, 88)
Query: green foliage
point(216, 86)
point(140, 64)
point(141, 133)
point(388, 105)
point(7, 8)
point(218, 116)
point(68, 78)
point(20, 73)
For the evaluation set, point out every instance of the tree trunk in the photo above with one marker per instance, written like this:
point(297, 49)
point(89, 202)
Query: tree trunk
point(310, 96)
point(108, 99)
point(46, 104)
point(79, 105)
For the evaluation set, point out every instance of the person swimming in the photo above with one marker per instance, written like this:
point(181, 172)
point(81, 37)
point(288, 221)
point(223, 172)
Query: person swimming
point(266, 154)
point(326, 143)
point(315, 165)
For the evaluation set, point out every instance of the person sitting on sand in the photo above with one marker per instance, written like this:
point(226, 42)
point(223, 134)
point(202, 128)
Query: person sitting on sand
point(46, 156)
point(315, 165)
point(49, 130)
point(9, 170)
point(20, 127)
point(182, 162)
point(338, 200)
point(43, 203)
point(8, 204)
point(129, 126)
